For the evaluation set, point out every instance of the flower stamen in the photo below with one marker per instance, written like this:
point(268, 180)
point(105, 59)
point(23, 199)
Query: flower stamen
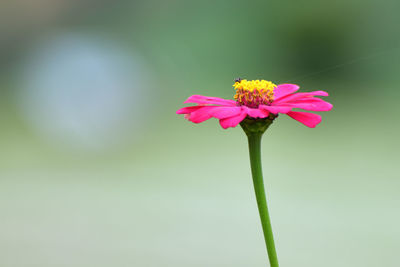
point(254, 93)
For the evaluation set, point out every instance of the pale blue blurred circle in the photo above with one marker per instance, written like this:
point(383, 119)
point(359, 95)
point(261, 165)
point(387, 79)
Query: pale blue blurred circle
point(84, 91)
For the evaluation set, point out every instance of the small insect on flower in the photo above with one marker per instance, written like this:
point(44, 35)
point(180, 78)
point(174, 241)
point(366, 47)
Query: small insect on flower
point(238, 80)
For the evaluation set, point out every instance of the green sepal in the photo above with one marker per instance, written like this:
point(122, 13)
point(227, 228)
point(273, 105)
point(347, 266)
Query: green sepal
point(252, 126)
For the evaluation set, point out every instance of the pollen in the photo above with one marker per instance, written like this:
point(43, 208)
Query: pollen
point(254, 93)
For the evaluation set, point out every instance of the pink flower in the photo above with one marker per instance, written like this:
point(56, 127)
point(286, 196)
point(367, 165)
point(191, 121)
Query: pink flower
point(257, 99)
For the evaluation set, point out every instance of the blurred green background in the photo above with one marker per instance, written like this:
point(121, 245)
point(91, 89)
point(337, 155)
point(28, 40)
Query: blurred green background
point(96, 169)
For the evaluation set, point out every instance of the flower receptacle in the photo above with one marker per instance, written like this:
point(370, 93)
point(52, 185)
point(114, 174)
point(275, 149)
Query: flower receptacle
point(252, 126)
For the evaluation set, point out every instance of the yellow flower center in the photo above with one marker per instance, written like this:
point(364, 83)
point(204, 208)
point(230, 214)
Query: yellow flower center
point(254, 93)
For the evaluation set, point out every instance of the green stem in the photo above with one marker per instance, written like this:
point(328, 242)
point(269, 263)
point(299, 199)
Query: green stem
point(256, 170)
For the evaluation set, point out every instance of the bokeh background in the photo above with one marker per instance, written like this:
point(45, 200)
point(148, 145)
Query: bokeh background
point(96, 169)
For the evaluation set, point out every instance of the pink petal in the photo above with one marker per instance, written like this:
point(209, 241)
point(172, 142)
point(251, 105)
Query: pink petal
point(202, 114)
point(199, 99)
point(187, 110)
point(308, 119)
point(277, 109)
point(225, 112)
point(285, 89)
point(313, 104)
point(256, 112)
point(232, 121)
point(297, 96)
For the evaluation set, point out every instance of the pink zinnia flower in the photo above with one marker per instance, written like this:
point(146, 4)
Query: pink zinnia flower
point(257, 99)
